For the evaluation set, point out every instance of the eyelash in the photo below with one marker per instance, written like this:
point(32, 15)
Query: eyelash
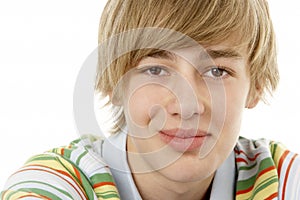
point(220, 68)
point(147, 69)
point(166, 71)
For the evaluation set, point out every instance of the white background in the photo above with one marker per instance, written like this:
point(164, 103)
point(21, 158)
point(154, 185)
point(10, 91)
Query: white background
point(42, 47)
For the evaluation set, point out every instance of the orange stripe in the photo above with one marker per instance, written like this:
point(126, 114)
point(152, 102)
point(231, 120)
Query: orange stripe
point(241, 160)
point(57, 170)
point(272, 196)
point(77, 174)
point(22, 170)
point(260, 174)
point(282, 158)
point(265, 171)
point(244, 191)
point(31, 195)
point(287, 176)
point(249, 158)
point(63, 173)
point(102, 184)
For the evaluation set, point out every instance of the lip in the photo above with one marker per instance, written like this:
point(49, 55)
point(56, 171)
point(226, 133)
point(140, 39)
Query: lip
point(183, 139)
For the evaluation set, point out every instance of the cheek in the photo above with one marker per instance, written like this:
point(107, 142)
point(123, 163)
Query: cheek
point(235, 102)
point(140, 104)
point(236, 98)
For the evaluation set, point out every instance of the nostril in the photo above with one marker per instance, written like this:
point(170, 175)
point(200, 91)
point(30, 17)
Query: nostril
point(185, 110)
point(189, 110)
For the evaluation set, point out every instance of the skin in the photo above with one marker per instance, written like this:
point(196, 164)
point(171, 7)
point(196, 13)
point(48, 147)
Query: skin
point(180, 92)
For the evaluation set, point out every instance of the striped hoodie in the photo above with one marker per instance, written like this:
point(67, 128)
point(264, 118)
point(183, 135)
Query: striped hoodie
point(264, 170)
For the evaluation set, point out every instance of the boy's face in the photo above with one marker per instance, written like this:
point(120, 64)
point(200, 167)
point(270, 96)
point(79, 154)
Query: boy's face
point(183, 110)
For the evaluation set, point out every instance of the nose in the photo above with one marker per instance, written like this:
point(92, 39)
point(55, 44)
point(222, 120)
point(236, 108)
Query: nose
point(186, 100)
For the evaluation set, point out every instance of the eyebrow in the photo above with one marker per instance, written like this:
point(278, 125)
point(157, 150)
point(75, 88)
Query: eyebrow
point(223, 53)
point(164, 55)
point(214, 54)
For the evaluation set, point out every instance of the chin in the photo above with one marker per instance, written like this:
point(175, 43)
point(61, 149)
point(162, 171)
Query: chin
point(187, 169)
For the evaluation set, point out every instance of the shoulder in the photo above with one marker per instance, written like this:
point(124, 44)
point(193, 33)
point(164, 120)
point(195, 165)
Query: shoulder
point(288, 168)
point(250, 150)
point(267, 165)
point(76, 171)
point(253, 153)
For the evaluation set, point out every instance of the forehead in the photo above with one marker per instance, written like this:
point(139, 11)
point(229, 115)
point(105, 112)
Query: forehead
point(208, 53)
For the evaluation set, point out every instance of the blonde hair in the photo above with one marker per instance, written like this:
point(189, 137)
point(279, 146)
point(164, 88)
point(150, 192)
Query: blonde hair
point(205, 21)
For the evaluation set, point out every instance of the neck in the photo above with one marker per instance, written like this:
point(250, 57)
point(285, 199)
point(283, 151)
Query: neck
point(156, 186)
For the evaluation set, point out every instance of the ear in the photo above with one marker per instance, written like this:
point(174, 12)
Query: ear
point(253, 98)
point(115, 98)
point(252, 102)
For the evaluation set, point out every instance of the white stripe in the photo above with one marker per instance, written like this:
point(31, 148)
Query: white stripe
point(42, 187)
point(293, 184)
point(42, 176)
point(247, 146)
point(76, 153)
point(283, 172)
point(91, 163)
point(246, 174)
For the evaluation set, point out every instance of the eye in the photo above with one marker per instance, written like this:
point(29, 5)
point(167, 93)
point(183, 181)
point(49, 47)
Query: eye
point(156, 71)
point(216, 72)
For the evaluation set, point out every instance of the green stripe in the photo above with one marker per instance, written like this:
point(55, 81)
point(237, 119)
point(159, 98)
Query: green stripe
point(42, 183)
point(98, 178)
point(42, 157)
point(84, 180)
point(248, 167)
point(9, 194)
point(264, 185)
point(85, 183)
point(67, 153)
point(107, 192)
point(81, 156)
point(245, 184)
point(75, 142)
point(108, 196)
point(41, 192)
point(273, 149)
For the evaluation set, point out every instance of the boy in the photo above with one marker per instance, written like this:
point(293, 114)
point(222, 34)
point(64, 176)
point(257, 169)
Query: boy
point(179, 74)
